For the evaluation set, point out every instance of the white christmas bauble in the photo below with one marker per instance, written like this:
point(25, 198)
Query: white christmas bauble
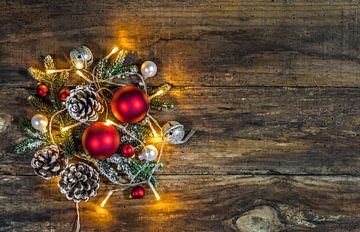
point(39, 122)
point(148, 69)
point(149, 154)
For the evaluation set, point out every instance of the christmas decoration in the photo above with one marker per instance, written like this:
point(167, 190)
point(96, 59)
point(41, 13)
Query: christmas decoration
point(42, 90)
point(81, 57)
point(64, 93)
point(174, 133)
point(79, 182)
point(148, 69)
point(39, 122)
point(101, 141)
point(138, 192)
point(130, 104)
point(83, 104)
point(48, 162)
point(149, 153)
point(101, 118)
point(127, 150)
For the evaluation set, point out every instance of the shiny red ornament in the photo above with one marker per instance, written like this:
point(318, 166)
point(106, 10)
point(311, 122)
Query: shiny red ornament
point(130, 104)
point(42, 90)
point(137, 192)
point(64, 93)
point(100, 140)
point(127, 150)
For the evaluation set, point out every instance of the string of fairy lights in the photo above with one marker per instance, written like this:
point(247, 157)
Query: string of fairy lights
point(111, 120)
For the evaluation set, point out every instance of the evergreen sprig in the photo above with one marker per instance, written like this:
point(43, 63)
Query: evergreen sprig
point(34, 140)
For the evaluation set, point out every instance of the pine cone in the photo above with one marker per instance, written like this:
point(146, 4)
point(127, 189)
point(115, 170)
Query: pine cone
point(83, 104)
point(48, 162)
point(78, 182)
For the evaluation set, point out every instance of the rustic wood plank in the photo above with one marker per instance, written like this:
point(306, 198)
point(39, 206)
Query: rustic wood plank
point(239, 130)
point(194, 43)
point(191, 203)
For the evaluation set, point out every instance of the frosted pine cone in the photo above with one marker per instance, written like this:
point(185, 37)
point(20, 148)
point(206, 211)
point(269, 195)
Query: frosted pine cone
point(78, 182)
point(83, 104)
point(48, 162)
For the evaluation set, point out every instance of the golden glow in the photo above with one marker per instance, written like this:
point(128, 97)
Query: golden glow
point(156, 139)
point(113, 51)
point(65, 129)
point(50, 71)
point(163, 89)
point(156, 194)
point(106, 198)
point(97, 213)
point(109, 122)
point(79, 65)
point(78, 72)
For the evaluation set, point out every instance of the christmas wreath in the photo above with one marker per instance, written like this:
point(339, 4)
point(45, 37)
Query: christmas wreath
point(102, 127)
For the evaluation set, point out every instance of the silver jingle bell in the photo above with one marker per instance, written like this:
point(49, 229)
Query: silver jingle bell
point(81, 57)
point(174, 133)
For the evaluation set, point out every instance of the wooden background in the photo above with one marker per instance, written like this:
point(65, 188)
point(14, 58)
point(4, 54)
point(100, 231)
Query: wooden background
point(272, 88)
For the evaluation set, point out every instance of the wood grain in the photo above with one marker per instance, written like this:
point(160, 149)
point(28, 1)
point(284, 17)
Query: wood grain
point(272, 88)
point(191, 203)
point(194, 43)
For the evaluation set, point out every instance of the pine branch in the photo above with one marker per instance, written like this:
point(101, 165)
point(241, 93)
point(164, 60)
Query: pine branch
point(49, 62)
point(131, 68)
point(106, 170)
point(42, 105)
point(68, 145)
point(29, 131)
point(38, 75)
point(135, 171)
point(28, 144)
point(118, 63)
point(101, 69)
point(160, 105)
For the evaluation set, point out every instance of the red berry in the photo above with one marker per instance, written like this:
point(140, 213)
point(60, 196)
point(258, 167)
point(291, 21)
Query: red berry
point(138, 192)
point(42, 90)
point(127, 150)
point(64, 93)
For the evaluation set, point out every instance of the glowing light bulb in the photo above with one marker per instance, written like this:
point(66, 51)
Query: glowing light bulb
point(157, 196)
point(106, 198)
point(79, 65)
point(113, 51)
point(109, 122)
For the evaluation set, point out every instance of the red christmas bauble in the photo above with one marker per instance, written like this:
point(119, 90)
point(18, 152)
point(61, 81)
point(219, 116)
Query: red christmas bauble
point(64, 93)
point(42, 90)
point(130, 104)
point(101, 141)
point(137, 192)
point(127, 150)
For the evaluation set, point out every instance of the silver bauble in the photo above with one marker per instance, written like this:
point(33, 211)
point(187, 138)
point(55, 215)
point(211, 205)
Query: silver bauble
point(39, 122)
point(149, 154)
point(81, 57)
point(173, 132)
point(148, 69)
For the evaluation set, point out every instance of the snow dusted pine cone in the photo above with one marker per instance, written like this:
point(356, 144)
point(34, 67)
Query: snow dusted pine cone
point(83, 104)
point(48, 162)
point(78, 182)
